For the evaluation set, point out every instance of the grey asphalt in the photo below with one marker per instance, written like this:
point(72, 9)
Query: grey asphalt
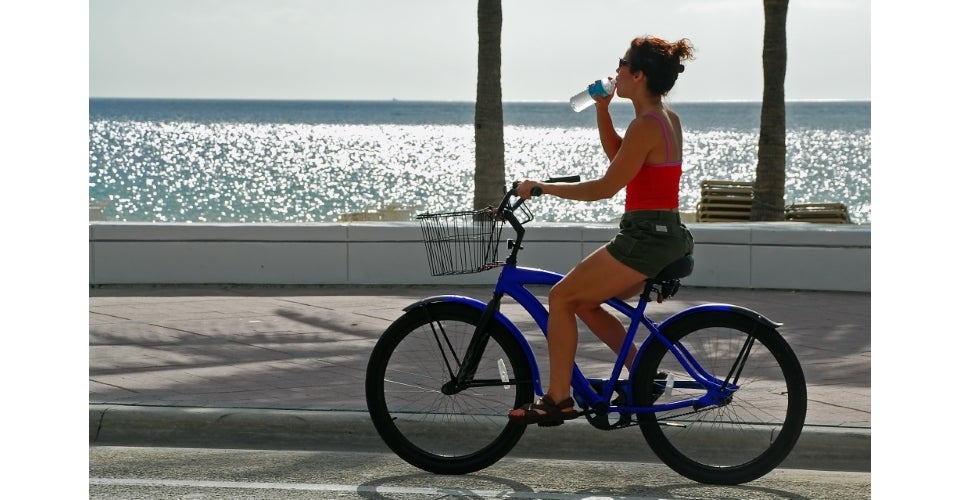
point(282, 367)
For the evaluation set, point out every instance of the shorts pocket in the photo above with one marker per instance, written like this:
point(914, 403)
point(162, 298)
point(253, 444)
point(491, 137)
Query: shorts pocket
point(624, 244)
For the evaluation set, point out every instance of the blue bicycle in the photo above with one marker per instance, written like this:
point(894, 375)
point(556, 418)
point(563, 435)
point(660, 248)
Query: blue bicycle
point(718, 394)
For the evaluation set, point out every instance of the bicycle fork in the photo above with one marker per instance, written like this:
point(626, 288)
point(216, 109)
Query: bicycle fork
point(463, 376)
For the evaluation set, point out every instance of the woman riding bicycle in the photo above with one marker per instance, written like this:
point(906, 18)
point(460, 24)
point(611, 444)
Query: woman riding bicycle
point(647, 160)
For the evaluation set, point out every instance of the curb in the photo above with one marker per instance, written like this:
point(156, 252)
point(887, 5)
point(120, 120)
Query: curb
point(819, 448)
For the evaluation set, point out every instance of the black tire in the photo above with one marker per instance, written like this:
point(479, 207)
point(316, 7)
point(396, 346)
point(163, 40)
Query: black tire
point(445, 434)
point(738, 440)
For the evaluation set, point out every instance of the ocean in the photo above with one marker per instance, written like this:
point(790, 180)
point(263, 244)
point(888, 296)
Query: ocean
point(157, 160)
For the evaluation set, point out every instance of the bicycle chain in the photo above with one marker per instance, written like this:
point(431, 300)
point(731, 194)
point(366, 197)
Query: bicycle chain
point(594, 415)
point(632, 423)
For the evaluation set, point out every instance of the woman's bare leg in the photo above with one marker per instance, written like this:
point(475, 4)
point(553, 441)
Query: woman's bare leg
point(595, 279)
point(607, 327)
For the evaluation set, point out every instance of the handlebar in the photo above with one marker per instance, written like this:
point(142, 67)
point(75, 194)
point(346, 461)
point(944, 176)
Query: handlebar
point(534, 192)
point(506, 209)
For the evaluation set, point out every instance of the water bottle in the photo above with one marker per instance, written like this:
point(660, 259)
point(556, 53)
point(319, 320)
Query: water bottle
point(599, 88)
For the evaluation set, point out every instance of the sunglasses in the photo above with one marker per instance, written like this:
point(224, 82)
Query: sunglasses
point(623, 62)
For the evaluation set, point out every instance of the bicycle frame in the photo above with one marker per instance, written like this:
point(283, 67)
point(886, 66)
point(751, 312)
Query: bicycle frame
point(512, 282)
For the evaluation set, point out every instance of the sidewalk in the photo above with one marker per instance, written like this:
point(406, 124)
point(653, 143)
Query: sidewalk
point(283, 367)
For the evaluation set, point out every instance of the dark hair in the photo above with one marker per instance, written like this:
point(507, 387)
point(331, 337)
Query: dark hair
point(659, 60)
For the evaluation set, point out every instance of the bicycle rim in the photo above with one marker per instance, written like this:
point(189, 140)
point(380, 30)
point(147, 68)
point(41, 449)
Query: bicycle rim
point(441, 433)
point(742, 438)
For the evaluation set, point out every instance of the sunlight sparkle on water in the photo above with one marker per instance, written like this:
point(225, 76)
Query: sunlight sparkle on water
point(240, 172)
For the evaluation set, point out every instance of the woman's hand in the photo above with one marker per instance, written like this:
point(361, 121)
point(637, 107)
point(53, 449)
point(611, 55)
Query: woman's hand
point(525, 186)
point(604, 102)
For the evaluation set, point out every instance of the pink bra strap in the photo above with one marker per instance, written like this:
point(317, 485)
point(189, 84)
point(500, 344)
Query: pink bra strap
point(663, 126)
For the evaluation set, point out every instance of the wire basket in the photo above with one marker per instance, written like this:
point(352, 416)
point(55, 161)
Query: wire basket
point(461, 242)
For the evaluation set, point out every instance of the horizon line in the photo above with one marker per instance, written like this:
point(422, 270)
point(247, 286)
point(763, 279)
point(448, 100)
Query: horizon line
point(454, 101)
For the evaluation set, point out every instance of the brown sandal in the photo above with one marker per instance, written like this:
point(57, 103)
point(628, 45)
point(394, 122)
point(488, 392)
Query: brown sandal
point(552, 413)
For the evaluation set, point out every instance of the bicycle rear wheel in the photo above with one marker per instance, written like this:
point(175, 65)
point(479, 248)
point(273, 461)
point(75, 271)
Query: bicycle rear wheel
point(747, 434)
point(445, 433)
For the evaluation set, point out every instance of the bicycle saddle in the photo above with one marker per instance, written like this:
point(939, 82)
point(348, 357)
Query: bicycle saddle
point(667, 283)
point(677, 269)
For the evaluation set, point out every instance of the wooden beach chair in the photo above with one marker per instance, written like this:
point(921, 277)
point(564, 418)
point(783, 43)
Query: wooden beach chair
point(730, 201)
point(830, 213)
point(724, 201)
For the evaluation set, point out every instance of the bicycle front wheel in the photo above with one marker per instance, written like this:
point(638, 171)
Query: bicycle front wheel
point(736, 438)
point(437, 432)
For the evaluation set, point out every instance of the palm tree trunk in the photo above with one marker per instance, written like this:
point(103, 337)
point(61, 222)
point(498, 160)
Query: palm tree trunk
point(488, 116)
point(771, 152)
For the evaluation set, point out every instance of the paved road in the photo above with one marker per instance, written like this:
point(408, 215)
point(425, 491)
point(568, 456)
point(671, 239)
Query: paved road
point(284, 366)
point(166, 473)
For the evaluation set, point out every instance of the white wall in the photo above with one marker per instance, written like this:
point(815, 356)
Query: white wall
point(781, 255)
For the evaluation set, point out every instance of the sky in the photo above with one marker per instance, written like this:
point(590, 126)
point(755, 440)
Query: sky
point(427, 49)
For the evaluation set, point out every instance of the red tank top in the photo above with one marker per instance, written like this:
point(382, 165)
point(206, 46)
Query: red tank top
point(657, 185)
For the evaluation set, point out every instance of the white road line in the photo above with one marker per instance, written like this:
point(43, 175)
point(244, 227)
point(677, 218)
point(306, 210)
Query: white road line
point(347, 488)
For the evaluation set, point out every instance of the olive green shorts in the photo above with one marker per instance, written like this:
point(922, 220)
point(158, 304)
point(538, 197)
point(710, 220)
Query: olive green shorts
point(649, 240)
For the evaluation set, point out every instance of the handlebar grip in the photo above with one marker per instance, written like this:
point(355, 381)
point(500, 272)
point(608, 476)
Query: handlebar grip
point(568, 178)
point(539, 191)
